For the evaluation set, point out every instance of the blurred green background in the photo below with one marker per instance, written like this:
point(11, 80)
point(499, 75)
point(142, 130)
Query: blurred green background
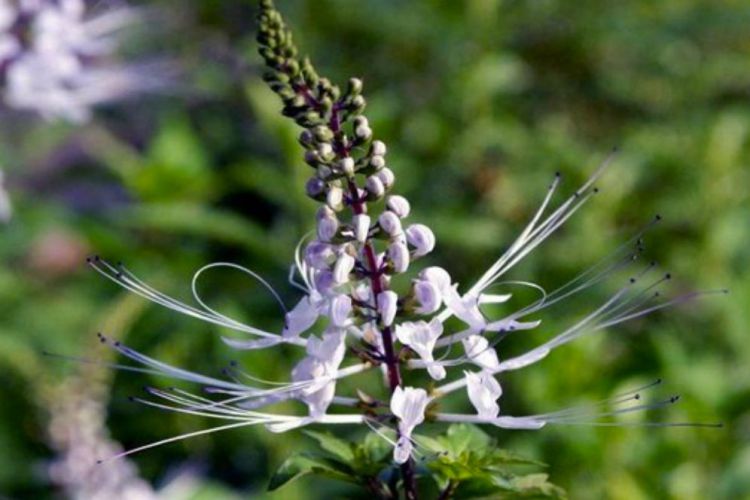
point(480, 102)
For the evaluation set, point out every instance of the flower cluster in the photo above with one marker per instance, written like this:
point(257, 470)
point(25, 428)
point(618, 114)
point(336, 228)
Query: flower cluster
point(360, 310)
point(57, 61)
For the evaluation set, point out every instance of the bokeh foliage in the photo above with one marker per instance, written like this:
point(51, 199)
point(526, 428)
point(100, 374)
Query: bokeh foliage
point(480, 103)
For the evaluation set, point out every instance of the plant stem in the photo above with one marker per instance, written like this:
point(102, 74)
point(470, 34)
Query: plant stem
point(390, 357)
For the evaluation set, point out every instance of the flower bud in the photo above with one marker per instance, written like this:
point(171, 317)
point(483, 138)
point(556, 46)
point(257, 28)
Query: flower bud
point(386, 177)
point(306, 138)
point(323, 172)
point(377, 162)
point(312, 158)
point(378, 148)
point(361, 121)
point(361, 227)
point(341, 308)
point(421, 238)
point(374, 186)
point(387, 306)
point(363, 132)
point(398, 205)
point(398, 254)
point(428, 296)
point(325, 150)
point(355, 86)
point(328, 225)
point(344, 266)
point(437, 276)
point(335, 198)
point(319, 255)
point(346, 165)
point(390, 223)
point(315, 187)
point(358, 103)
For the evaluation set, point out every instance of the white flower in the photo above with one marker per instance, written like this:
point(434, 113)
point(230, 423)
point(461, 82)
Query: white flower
point(318, 370)
point(57, 61)
point(428, 296)
point(361, 224)
point(479, 352)
point(408, 404)
point(399, 257)
point(398, 205)
point(421, 238)
point(421, 336)
point(387, 306)
point(483, 390)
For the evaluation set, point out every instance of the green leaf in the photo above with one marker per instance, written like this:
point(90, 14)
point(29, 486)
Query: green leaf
point(339, 448)
point(461, 438)
point(301, 465)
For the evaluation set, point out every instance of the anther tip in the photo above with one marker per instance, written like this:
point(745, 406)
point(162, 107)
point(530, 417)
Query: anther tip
point(668, 276)
point(658, 381)
point(558, 174)
point(632, 280)
point(233, 363)
point(131, 399)
point(658, 217)
point(99, 462)
point(637, 396)
point(596, 190)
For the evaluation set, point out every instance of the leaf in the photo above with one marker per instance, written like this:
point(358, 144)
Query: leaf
point(465, 437)
point(537, 486)
point(339, 448)
point(301, 465)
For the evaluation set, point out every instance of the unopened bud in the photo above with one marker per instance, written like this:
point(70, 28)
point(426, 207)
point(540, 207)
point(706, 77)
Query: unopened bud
point(378, 148)
point(325, 150)
point(428, 297)
point(377, 162)
point(315, 187)
point(437, 276)
point(421, 238)
point(341, 308)
point(312, 158)
point(335, 198)
point(363, 132)
point(344, 266)
point(398, 254)
point(355, 86)
point(390, 223)
point(398, 205)
point(306, 138)
point(387, 306)
point(328, 226)
point(386, 177)
point(374, 186)
point(361, 227)
point(347, 166)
